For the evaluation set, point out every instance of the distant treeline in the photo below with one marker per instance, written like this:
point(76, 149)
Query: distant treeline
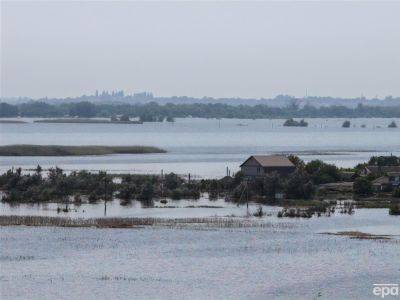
point(155, 112)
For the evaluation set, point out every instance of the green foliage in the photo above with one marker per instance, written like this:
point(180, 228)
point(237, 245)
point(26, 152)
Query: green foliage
point(124, 118)
point(83, 109)
point(272, 184)
point(298, 185)
point(294, 123)
point(362, 187)
point(299, 163)
point(146, 192)
point(384, 161)
point(152, 112)
point(321, 172)
point(172, 181)
point(394, 208)
point(7, 110)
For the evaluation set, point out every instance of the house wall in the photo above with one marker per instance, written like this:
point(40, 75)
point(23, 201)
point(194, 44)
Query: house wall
point(281, 170)
point(252, 168)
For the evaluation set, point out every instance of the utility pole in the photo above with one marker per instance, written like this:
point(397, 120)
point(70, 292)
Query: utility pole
point(105, 195)
point(247, 198)
point(162, 183)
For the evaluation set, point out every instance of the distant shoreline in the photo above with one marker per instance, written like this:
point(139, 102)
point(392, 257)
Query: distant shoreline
point(57, 150)
point(154, 112)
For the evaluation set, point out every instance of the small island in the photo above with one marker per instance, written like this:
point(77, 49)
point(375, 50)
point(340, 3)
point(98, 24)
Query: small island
point(87, 121)
point(12, 122)
point(294, 123)
point(392, 125)
point(57, 150)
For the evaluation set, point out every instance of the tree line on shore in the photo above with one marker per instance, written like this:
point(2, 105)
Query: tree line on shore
point(151, 112)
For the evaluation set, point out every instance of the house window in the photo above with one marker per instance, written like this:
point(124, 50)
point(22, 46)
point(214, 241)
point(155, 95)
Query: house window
point(258, 170)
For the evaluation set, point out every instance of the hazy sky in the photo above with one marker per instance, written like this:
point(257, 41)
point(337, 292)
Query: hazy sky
point(258, 49)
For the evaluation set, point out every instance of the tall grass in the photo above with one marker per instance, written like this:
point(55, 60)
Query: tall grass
point(213, 222)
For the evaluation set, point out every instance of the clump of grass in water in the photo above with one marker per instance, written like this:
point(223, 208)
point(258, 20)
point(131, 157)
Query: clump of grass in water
point(259, 213)
point(307, 212)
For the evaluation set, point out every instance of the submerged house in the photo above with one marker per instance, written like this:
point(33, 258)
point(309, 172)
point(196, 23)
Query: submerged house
point(389, 181)
point(261, 165)
point(379, 170)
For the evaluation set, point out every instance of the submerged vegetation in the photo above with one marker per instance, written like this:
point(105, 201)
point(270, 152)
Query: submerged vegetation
point(56, 150)
point(212, 222)
point(294, 123)
point(346, 124)
point(303, 193)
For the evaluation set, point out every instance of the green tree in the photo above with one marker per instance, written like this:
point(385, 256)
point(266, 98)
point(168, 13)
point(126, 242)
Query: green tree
point(362, 187)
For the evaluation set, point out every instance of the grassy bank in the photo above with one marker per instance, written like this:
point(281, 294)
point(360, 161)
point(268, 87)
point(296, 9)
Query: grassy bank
point(12, 122)
point(86, 121)
point(54, 150)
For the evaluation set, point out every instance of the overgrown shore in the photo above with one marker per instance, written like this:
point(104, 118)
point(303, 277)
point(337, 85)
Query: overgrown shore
point(57, 150)
point(314, 188)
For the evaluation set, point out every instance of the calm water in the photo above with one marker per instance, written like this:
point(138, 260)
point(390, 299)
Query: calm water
point(202, 147)
point(288, 260)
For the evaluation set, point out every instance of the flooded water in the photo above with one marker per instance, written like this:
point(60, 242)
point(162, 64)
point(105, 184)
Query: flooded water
point(173, 209)
point(286, 259)
point(203, 147)
point(291, 260)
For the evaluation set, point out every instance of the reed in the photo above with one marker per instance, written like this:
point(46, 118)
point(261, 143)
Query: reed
point(212, 222)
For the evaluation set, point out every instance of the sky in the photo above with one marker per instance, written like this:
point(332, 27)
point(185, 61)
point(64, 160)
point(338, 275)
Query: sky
point(216, 49)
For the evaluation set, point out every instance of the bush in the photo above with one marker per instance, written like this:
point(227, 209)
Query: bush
point(259, 212)
point(124, 118)
point(299, 186)
point(147, 192)
point(294, 123)
point(362, 187)
point(394, 208)
point(321, 172)
point(346, 124)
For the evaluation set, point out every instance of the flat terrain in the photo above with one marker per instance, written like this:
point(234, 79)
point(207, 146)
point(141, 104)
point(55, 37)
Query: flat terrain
point(54, 150)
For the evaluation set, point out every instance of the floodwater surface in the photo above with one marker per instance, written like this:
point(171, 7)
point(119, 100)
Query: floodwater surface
point(204, 148)
point(290, 259)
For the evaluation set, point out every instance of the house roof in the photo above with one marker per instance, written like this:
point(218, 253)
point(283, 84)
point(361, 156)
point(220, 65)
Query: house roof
point(271, 160)
point(383, 169)
point(381, 180)
point(393, 174)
